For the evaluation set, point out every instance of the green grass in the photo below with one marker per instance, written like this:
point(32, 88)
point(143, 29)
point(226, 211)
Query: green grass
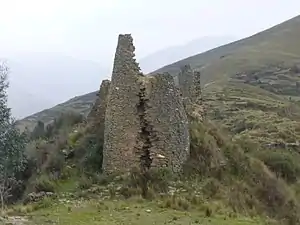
point(273, 46)
point(253, 113)
point(134, 212)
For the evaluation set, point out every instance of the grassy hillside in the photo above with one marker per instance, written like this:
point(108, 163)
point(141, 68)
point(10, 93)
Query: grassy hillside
point(221, 184)
point(275, 46)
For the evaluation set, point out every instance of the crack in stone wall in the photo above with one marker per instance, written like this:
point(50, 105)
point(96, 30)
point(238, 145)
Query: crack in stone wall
point(146, 131)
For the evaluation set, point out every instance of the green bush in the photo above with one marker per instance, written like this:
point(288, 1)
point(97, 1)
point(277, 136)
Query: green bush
point(85, 182)
point(205, 155)
point(89, 151)
point(176, 202)
point(156, 179)
point(63, 122)
point(43, 204)
point(250, 184)
point(44, 183)
point(284, 163)
point(55, 162)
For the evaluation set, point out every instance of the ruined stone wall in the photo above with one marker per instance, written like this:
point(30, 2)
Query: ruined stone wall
point(190, 87)
point(170, 145)
point(185, 81)
point(145, 122)
point(196, 90)
point(121, 119)
point(96, 116)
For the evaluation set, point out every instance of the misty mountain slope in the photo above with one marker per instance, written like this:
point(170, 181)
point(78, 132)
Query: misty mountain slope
point(175, 53)
point(41, 80)
point(81, 104)
point(275, 45)
point(269, 55)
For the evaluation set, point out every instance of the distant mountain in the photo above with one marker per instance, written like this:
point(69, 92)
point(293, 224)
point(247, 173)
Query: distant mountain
point(176, 53)
point(41, 80)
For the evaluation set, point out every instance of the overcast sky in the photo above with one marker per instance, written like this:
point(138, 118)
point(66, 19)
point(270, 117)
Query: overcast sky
point(88, 28)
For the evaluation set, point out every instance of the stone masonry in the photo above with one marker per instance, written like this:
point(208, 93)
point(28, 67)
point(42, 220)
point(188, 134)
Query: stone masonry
point(196, 91)
point(185, 80)
point(145, 122)
point(121, 121)
point(168, 117)
point(97, 113)
point(190, 86)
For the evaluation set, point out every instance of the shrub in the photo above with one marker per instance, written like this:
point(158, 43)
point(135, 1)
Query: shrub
point(43, 204)
point(47, 156)
point(251, 185)
point(55, 162)
point(284, 163)
point(212, 187)
point(44, 183)
point(85, 182)
point(176, 202)
point(205, 154)
point(154, 179)
point(63, 122)
point(90, 151)
point(129, 192)
point(100, 179)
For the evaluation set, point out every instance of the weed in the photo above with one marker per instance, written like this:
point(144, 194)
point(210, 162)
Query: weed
point(44, 183)
point(85, 183)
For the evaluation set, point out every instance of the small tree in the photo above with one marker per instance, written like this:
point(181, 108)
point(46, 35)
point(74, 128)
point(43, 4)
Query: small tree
point(12, 145)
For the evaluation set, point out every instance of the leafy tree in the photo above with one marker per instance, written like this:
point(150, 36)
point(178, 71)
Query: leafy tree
point(12, 145)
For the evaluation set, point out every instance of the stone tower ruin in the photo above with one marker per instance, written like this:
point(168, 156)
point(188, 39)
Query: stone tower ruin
point(146, 125)
point(196, 90)
point(185, 80)
point(97, 113)
point(190, 86)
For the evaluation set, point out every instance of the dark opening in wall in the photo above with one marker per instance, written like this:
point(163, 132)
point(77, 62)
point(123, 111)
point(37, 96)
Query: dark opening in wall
point(145, 131)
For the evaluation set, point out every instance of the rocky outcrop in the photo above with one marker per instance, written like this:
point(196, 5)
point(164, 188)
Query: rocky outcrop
point(35, 197)
point(145, 123)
